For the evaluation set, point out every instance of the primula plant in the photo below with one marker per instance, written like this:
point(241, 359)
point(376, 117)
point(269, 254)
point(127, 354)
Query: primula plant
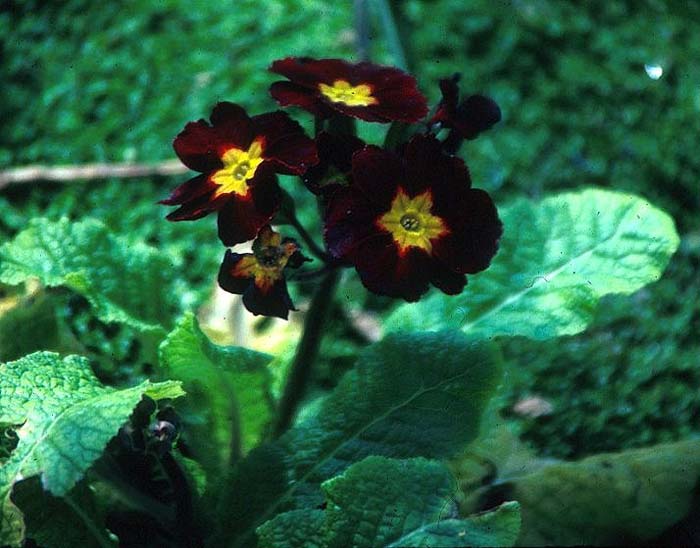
point(227, 446)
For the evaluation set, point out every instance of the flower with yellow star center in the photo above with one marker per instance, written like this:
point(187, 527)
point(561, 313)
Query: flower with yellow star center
point(239, 168)
point(353, 96)
point(370, 92)
point(411, 222)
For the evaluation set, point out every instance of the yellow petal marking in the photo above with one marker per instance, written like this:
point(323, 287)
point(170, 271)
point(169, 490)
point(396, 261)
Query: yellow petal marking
point(411, 222)
point(353, 96)
point(239, 168)
point(265, 266)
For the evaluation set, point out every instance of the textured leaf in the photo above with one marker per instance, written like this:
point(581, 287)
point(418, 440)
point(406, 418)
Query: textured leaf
point(228, 401)
point(126, 282)
point(66, 417)
point(557, 258)
point(499, 527)
point(388, 502)
point(440, 381)
point(379, 500)
point(295, 529)
point(626, 498)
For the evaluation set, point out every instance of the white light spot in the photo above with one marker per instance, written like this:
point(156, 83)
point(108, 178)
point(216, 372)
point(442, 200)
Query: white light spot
point(654, 71)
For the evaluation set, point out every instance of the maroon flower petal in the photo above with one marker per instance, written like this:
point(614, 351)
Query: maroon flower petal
point(475, 115)
point(386, 272)
point(349, 221)
point(232, 123)
point(309, 72)
point(227, 280)
point(447, 176)
point(447, 281)
point(195, 199)
point(274, 302)
point(377, 173)
point(190, 190)
point(286, 146)
point(241, 218)
point(475, 231)
point(289, 94)
point(197, 147)
point(335, 161)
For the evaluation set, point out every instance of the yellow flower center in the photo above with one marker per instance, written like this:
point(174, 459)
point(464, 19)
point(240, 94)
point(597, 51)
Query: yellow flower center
point(353, 96)
point(411, 222)
point(266, 263)
point(239, 168)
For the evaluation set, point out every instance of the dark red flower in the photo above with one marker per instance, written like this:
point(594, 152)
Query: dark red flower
point(363, 90)
point(469, 118)
point(259, 276)
point(411, 220)
point(335, 161)
point(238, 157)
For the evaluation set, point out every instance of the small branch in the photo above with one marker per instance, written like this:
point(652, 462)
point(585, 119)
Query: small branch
point(391, 32)
point(361, 30)
point(29, 174)
point(98, 534)
point(311, 244)
point(302, 366)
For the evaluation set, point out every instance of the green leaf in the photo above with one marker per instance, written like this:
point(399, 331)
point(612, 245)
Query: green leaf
point(441, 381)
point(61, 522)
point(557, 258)
point(126, 282)
point(379, 500)
point(610, 499)
point(228, 403)
point(20, 324)
point(66, 417)
point(388, 502)
point(295, 529)
point(499, 527)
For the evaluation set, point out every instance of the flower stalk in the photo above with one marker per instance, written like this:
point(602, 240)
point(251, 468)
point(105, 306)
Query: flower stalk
point(306, 352)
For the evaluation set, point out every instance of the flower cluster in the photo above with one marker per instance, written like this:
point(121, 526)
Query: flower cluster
point(404, 216)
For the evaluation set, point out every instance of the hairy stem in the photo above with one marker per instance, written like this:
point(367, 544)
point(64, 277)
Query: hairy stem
point(302, 365)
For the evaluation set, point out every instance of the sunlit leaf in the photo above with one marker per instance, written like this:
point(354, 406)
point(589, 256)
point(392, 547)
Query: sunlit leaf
point(228, 401)
point(126, 282)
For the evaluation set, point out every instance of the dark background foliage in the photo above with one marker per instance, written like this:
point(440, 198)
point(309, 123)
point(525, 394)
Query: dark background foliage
point(85, 82)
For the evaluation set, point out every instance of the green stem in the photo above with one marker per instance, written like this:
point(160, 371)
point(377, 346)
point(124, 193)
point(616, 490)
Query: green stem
point(361, 29)
point(311, 244)
point(91, 526)
point(391, 32)
point(307, 350)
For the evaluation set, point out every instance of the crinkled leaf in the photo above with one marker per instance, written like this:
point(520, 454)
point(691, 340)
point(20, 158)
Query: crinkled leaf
point(228, 401)
point(125, 281)
point(440, 381)
point(294, 529)
point(379, 500)
point(499, 527)
point(67, 417)
point(611, 499)
point(388, 502)
point(557, 258)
